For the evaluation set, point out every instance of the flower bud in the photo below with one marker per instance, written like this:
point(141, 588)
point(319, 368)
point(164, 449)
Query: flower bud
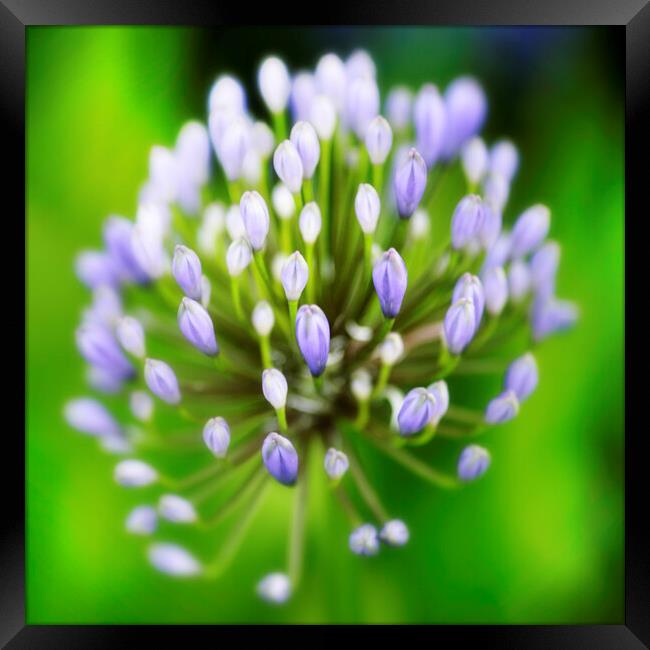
point(416, 411)
point(379, 140)
point(459, 325)
point(543, 268)
point(430, 123)
point(465, 109)
point(263, 139)
point(468, 221)
point(409, 182)
point(304, 139)
point(469, 286)
point(420, 225)
point(367, 207)
point(496, 191)
point(90, 416)
point(142, 520)
point(336, 463)
point(255, 215)
point(176, 509)
point(313, 336)
point(161, 380)
point(213, 224)
point(550, 315)
point(440, 393)
point(364, 540)
point(99, 347)
point(274, 588)
point(197, 327)
point(518, 280)
point(163, 173)
point(206, 291)
point(495, 286)
point(473, 462)
point(173, 560)
point(504, 159)
point(232, 144)
point(398, 107)
point(362, 104)
point(263, 318)
point(288, 166)
point(147, 247)
point(280, 458)
point(235, 224)
point(475, 159)
point(530, 230)
point(322, 115)
point(499, 253)
point(331, 79)
point(360, 64)
point(522, 376)
point(283, 201)
point(186, 269)
point(274, 83)
point(310, 222)
point(394, 533)
point(216, 435)
point(104, 380)
point(238, 257)
point(390, 277)
point(106, 307)
point(193, 153)
point(361, 385)
point(391, 349)
point(134, 473)
point(274, 387)
point(117, 237)
point(303, 91)
point(251, 170)
point(141, 405)
point(295, 273)
point(502, 408)
point(227, 93)
point(130, 334)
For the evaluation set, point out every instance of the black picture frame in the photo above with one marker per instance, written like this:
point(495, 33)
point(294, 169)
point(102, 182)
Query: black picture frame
point(632, 16)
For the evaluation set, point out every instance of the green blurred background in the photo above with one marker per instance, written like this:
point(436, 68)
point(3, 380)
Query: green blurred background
point(538, 540)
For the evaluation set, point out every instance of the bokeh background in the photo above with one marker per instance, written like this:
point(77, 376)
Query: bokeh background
point(539, 539)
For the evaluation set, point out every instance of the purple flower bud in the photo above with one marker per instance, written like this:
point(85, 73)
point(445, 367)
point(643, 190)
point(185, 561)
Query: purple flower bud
point(367, 207)
point(394, 533)
point(305, 141)
point(530, 230)
point(416, 412)
point(465, 108)
point(543, 268)
point(141, 405)
point(117, 237)
point(255, 215)
point(193, 153)
point(522, 376)
point(274, 387)
point(473, 462)
point(280, 458)
point(310, 222)
point(360, 64)
point(440, 393)
point(232, 145)
point(473, 223)
point(238, 256)
point(469, 286)
point(106, 308)
point(364, 540)
point(379, 140)
point(96, 269)
point(186, 269)
point(161, 380)
point(104, 380)
point(459, 326)
point(303, 91)
point(313, 336)
point(496, 191)
point(216, 435)
point(323, 116)
point(398, 107)
point(390, 277)
point(474, 156)
point(274, 588)
point(550, 315)
point(409, 182)
point(331, 79)
point(362, 104)
point(263, 318)
point(430, 122)
point(176, 509)
point(283, 202)
point(294, 275)
point(504, 159)
point(499, 253)
point(100, 348)
point(495, 285)
point(197, 327)
point(148, 250)
point(336, 463)
point(173, 560)
point(274, 83)
point(502, 408)
point(142, 520)
point(518, 280)
point(227, 93)
point(134, 473)
point(90, 416)
point(130, 334)
point(288, 166)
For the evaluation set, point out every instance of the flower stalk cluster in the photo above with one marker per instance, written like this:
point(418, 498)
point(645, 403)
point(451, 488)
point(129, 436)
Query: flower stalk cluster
point(280, 294)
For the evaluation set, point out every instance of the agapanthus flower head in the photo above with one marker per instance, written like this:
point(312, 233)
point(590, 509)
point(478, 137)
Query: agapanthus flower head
point(302, 341)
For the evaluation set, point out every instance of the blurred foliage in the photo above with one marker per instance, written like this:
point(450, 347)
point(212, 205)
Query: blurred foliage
point(538, 540)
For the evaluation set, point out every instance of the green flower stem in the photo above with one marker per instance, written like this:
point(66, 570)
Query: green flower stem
point(265, 351)
point(347, 505)
point(382, 380)
point(365, 488)
point(422, 438)
point(168, 291)
point(318, 384)
point(308, 190)
point(282, 420)
point(362, 168)
point(324, 198)
point(234, 192)
point(367, 257)
point(182, 226)
point(378, 177)
point(186, 415)
point(236, 297)
point(464, 415)
point(297, 197)
point(199, 496)
point(285, 236)
point(311, 277)
point(295, 554)
point(367, 349)
point(193, 479)
point(363, 414)
point(280, 126)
